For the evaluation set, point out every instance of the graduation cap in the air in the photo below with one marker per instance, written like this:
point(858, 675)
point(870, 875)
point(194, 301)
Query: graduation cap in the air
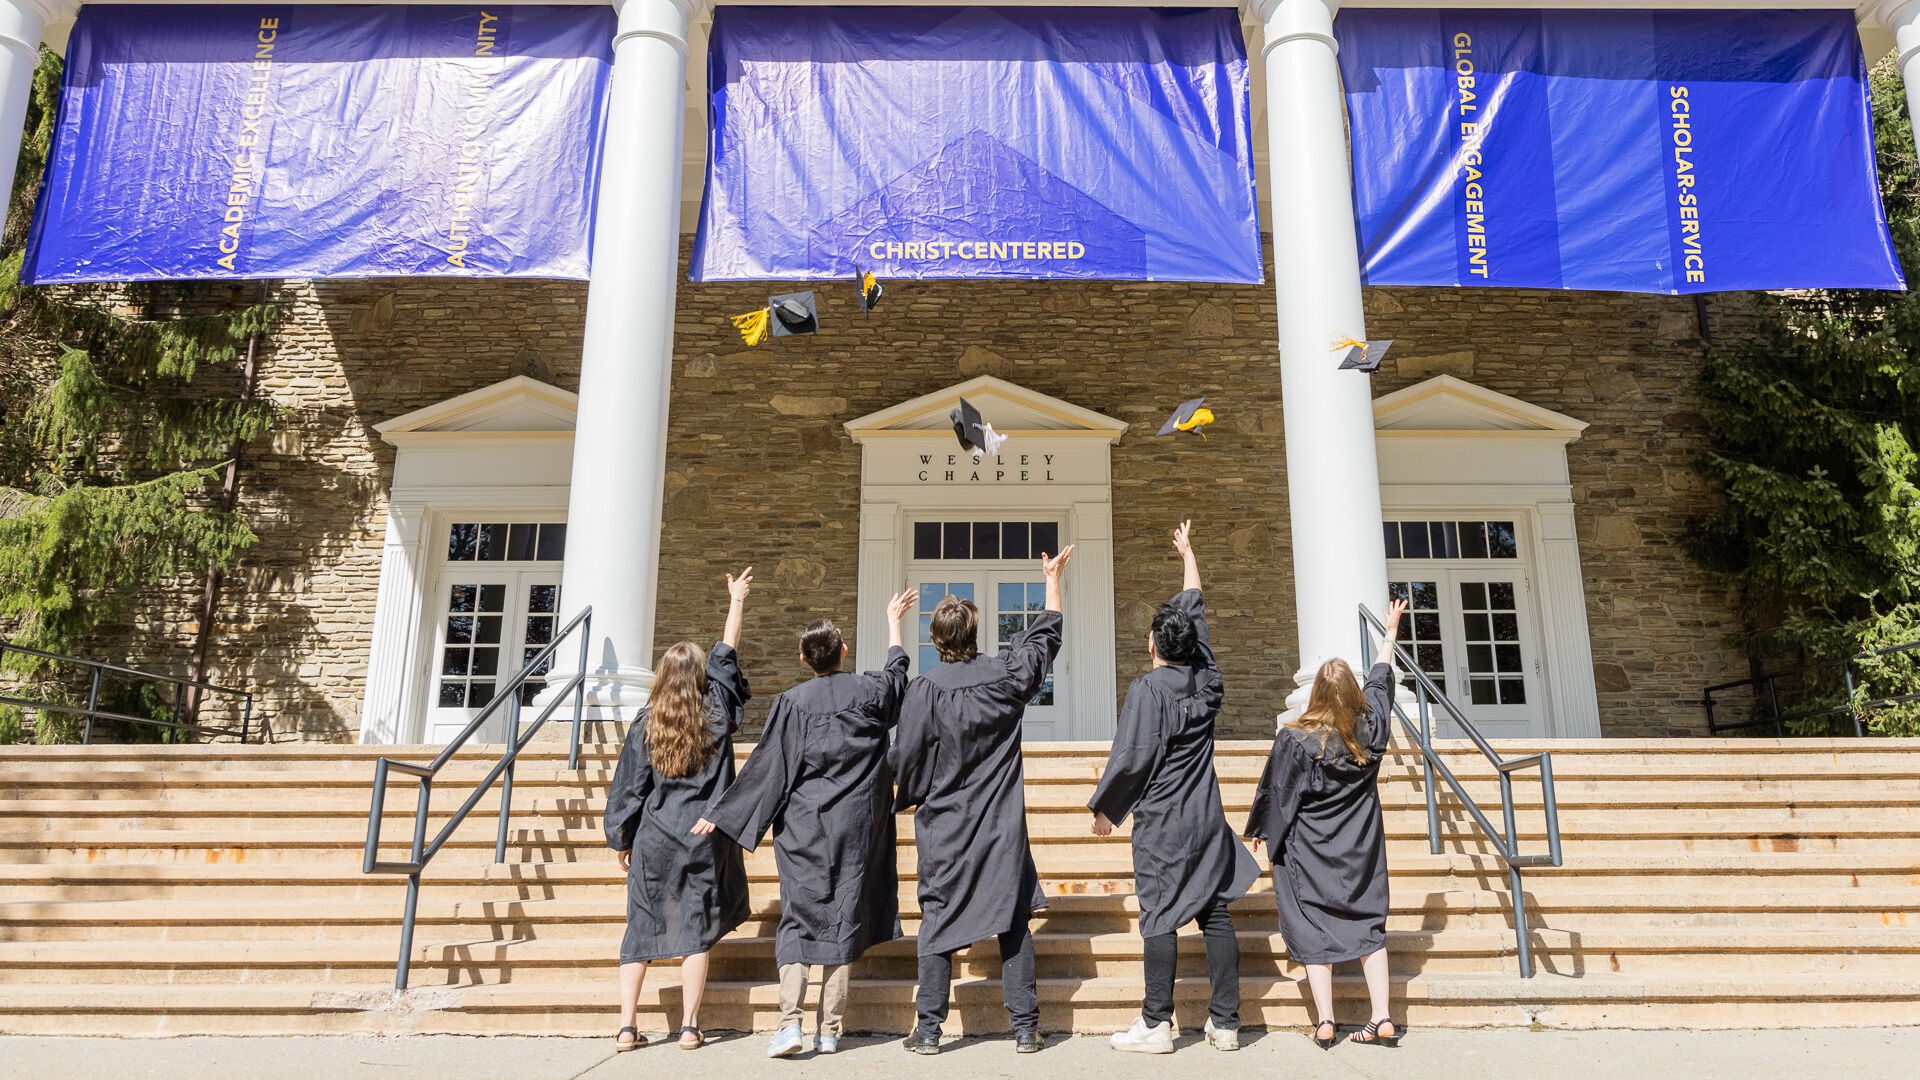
point(784, 316)
point(870, 291)
point(1190, 416)
point(976, 436)
point(1363, 355)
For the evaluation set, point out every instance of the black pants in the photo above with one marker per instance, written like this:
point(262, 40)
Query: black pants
point(1223, 970)
point(1017, 983)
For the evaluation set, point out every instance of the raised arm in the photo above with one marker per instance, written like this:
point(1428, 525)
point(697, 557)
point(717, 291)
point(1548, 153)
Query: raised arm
point(1379, 687)
point(1183, 543)
point(1053, 569)
point(737, 590)
point(897, 609)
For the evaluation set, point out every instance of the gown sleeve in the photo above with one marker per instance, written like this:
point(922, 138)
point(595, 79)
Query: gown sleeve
point(1378, 691)
point(1277, 800)
point(727, 691)
point(759, 794)
point(911, 755)
point(632, 781)
point(1136, 750)
point(1035, 647)
point(1208, 685)
point(889, 684)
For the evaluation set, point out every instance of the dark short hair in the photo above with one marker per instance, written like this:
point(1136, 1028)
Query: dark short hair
point(1174, 638)
point(955, 630)
point(820, 645)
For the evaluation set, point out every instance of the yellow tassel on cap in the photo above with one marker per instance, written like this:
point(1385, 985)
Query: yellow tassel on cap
point(753, 325)
point(1348, 343)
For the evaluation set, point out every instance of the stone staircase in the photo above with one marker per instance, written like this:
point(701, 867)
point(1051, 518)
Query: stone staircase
point(175, 890)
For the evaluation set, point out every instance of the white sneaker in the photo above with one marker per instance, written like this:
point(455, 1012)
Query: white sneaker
point(826, 1044)
point(1142, 1038)
point(786, 1042)
point(1222, 1038)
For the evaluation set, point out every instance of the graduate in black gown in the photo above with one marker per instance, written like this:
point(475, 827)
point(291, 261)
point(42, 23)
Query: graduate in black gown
point(683, 893)
point(1318, 811)
point(1188, 865)
point(819, 779)
point(957, 760)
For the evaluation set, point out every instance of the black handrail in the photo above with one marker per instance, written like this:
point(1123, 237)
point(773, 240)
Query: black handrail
point(1856, 711)
point(420, 852)
point(1506, 842)
point(92, 710)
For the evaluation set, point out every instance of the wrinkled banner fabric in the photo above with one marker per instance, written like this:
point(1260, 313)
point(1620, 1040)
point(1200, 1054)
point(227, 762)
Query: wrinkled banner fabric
point(254, 141)
point(1630, 151)
point(1087, 143)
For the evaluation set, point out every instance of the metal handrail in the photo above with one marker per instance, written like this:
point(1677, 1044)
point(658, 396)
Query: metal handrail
point(420, 851)
point(1505, 841)
point(1855, 710)
point(92, 711)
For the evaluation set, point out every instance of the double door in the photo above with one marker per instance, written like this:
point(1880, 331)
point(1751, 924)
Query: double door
point(1472, 631)
point(489, 623)
point(1009, 602)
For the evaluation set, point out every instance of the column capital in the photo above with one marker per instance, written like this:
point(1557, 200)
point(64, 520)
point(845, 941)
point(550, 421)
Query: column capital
point(1889, 14)
point(665, 20)
point(23, 21)
point(1282, 21)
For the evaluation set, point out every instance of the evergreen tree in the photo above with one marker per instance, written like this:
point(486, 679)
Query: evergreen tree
point(1813, 429)
point(121, 407)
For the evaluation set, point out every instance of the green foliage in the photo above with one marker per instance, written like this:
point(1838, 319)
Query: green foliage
point(118, 413)
point(1813, 433)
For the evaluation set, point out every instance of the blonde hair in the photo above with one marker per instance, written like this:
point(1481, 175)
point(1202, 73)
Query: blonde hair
point(1334, 707)
point(677, 739)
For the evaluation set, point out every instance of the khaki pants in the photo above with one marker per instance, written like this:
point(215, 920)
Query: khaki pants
point(833, 996)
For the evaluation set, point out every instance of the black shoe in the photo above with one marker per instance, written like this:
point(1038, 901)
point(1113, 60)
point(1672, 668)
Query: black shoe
point(918, 1043)
point(1027, 1042)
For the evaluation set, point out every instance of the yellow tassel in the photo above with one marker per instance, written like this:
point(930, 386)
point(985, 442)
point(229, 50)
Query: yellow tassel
point(1348, 343)
point(753, 325)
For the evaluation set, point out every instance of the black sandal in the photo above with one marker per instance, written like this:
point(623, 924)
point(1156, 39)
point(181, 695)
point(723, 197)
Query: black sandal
point(694, 1034)
point(1370, 1035)
point(1326, 1043)
point(639, 1040)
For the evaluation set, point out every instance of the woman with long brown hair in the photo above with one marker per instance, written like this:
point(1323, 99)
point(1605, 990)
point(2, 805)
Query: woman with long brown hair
point(684, 893)
point(1318, 811)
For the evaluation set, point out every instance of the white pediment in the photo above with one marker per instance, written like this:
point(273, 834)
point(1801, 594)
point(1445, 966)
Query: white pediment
point(1013, 410)
point(1445, 404)
point(520, 405)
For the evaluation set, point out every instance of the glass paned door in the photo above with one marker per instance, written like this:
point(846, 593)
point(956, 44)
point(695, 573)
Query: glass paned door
point(1008, 602)
point(1471, 632)
point(489, 623)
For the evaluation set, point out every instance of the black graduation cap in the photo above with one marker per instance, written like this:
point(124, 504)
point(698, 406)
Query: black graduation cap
point(794, 313)
point(1364, 356)
point(975, 435)
point(1190, 416)
point(870, 291)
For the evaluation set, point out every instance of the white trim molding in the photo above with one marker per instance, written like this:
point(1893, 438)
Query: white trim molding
point(1447, 446)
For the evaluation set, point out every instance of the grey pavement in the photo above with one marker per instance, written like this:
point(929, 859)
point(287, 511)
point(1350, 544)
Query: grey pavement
point(1427, 1055)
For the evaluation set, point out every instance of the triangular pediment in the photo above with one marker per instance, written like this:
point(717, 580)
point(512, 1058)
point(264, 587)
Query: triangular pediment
point(518, 405)
point(1011, 409)
point(1448, 404)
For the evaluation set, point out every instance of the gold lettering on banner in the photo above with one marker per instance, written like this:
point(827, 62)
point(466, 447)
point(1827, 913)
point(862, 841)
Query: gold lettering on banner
point(1472, 134)
point(976, 250)
point(475, 147)
point(1693, 255)
point(247, 165)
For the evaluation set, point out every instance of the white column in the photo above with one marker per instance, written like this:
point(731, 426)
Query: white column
point(386, 711)
point(1903, 18)
point(21, 23)
point(1333, 481)
point(880, 578)
point(1562, 602)
point(620, 443)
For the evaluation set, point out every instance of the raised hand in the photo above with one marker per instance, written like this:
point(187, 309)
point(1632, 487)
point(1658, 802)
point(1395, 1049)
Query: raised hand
point(1183, 539)
point(1395, 610)
point(1052, 567)
point(902, 603)
point(739, 587)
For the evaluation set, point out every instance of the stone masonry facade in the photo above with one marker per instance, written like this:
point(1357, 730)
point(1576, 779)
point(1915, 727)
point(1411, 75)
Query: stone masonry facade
point(761, 471)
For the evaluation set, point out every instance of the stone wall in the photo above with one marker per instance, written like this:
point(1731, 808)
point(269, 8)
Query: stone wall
point(761, 470)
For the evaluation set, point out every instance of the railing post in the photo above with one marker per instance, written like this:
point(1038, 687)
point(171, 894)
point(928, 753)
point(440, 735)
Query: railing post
point(1522, 945)
point(1551, 804)
point(580, 691)
point(1858, 727)
point(1426, 764)
point(375, 815)
point(246, 717)
point(1773, 694)
point(93, 704)
point(506, 779)
point(415, 853)
point(1706, 699)
point(178, 702)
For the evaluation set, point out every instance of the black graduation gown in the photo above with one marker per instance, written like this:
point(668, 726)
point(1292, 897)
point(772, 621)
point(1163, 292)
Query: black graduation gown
point(819, 779)
point(957, 759)
point(684, 892)
point(1185, 855)
point(1318, 810)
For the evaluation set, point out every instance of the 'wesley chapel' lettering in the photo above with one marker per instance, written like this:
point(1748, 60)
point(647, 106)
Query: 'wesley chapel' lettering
point(1022, 470)
point(1693, 256)
point(247, 166)
point(1470, 157)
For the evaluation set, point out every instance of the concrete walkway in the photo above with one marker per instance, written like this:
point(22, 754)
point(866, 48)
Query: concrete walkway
point(1429, 1055)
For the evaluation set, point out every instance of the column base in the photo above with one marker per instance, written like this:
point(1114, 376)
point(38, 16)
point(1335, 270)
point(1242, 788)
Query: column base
point(613, 698)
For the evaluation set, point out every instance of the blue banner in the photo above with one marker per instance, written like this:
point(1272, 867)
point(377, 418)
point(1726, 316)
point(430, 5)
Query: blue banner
point(252, 141)
point(978, 142)
point(1633, 151)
